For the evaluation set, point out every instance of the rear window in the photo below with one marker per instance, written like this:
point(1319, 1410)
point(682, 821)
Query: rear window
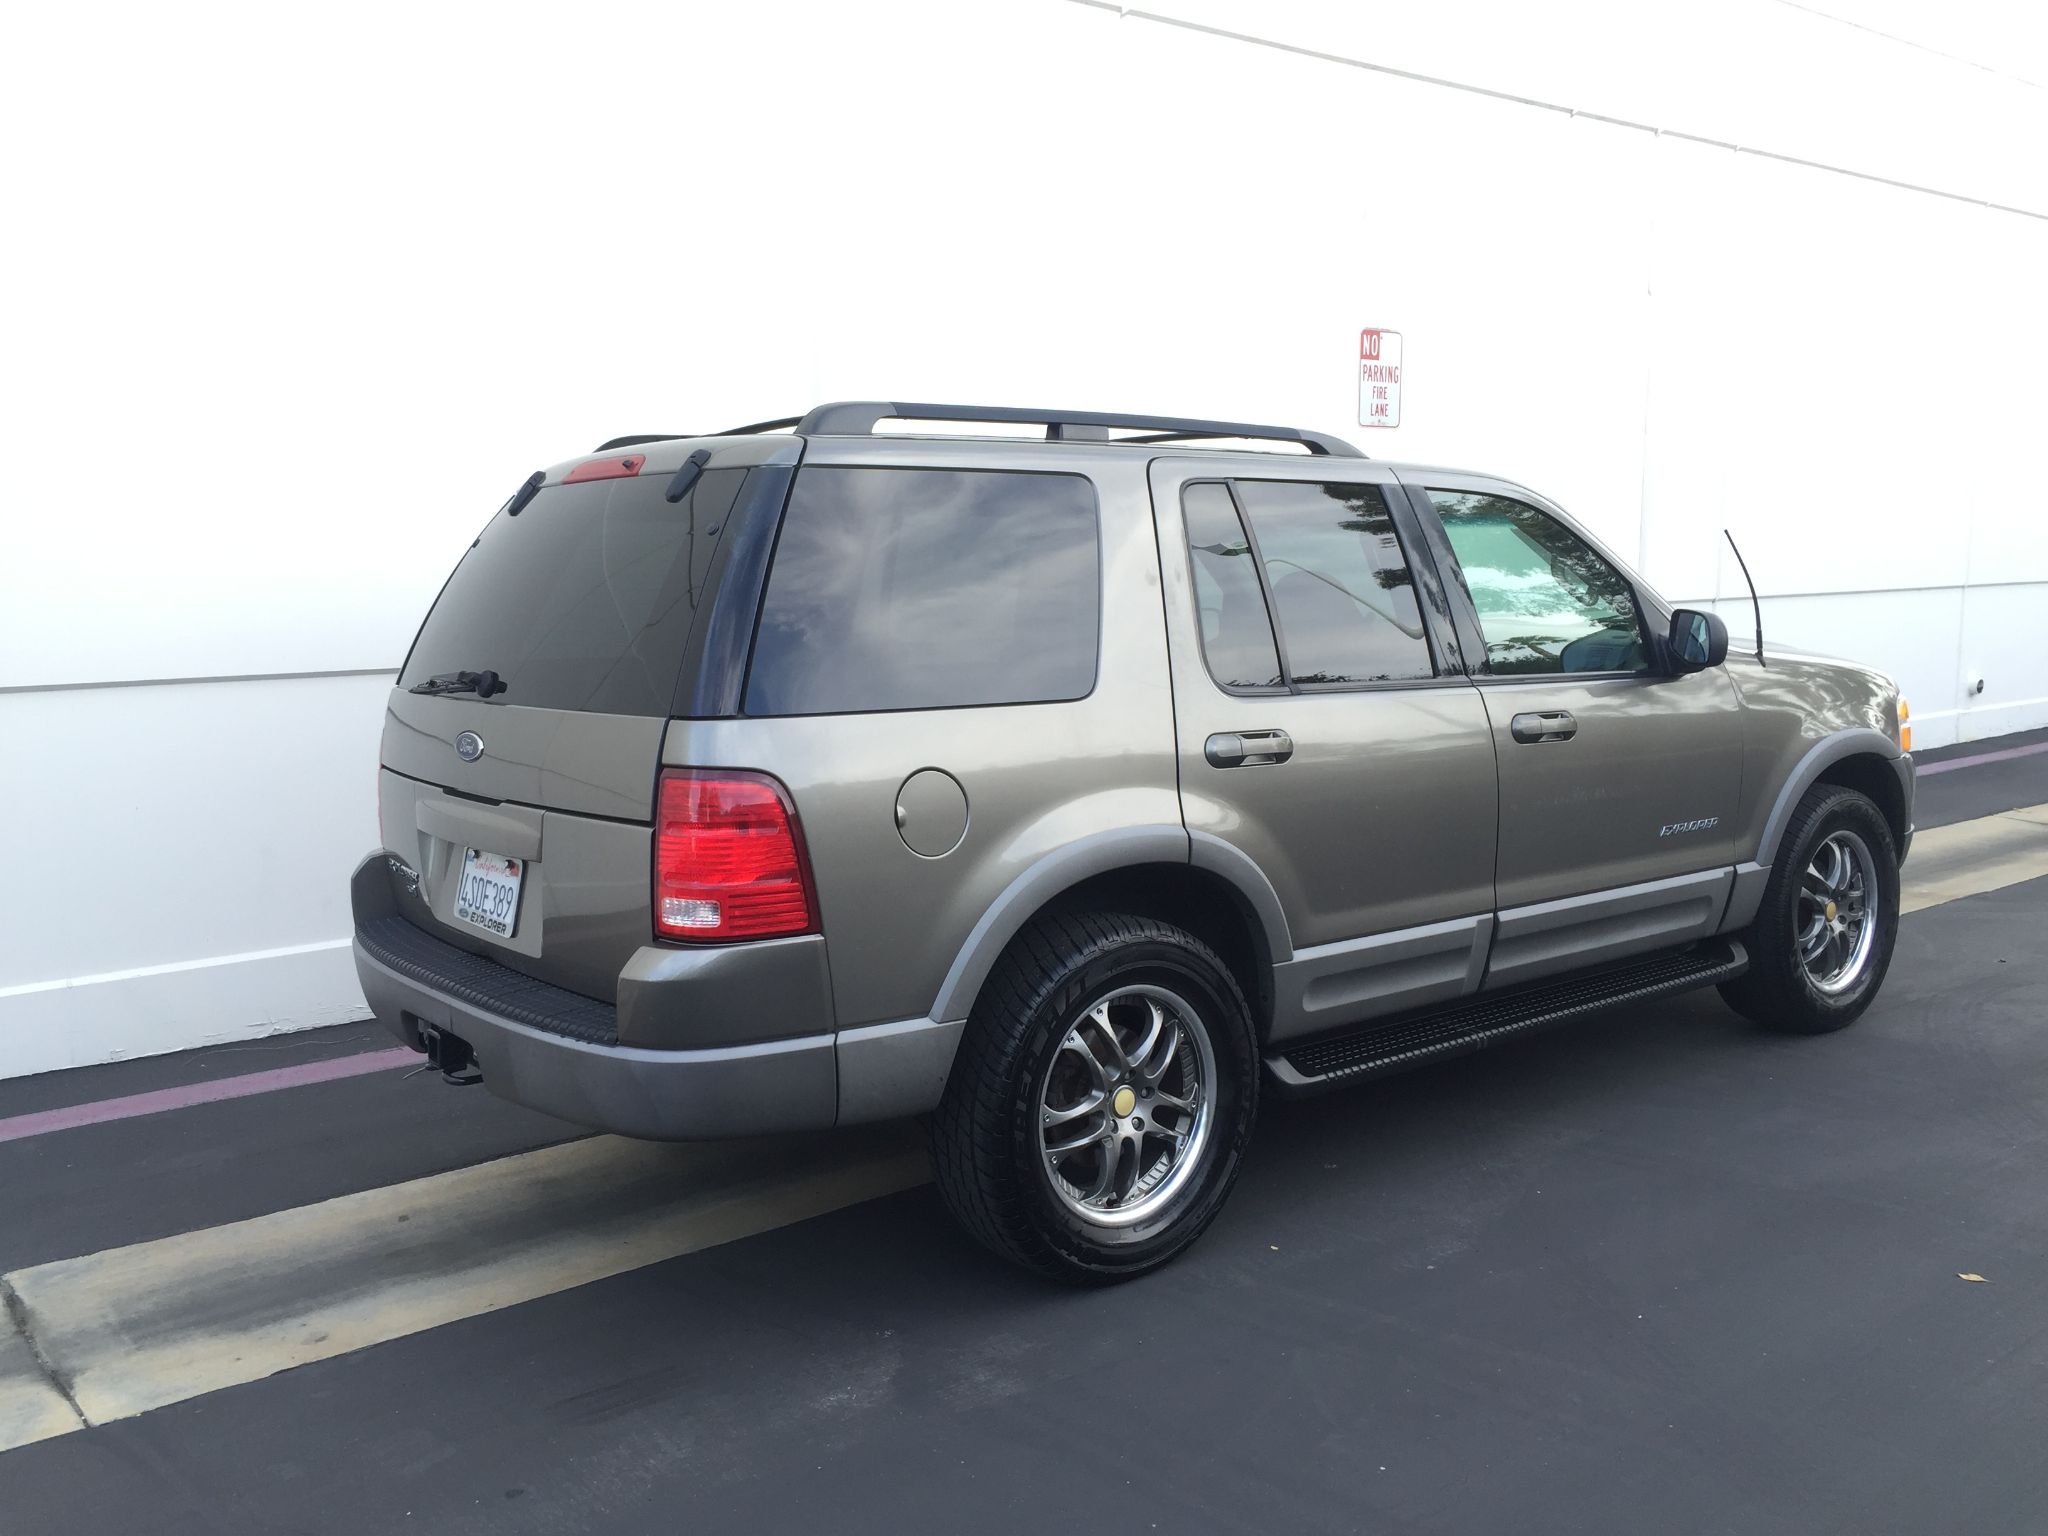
point(584, 600)
point(928, 589)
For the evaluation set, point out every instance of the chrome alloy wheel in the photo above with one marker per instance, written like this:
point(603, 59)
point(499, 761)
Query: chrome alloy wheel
point(1834, 921)
point(1126, 1106)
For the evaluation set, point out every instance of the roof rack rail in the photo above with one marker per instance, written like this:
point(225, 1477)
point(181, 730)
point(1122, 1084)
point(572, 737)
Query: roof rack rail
point(857, 418)
point(748, 430)
point(779, 424)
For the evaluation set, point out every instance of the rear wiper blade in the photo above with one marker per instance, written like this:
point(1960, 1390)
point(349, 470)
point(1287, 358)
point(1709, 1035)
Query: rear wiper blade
point(482, 684)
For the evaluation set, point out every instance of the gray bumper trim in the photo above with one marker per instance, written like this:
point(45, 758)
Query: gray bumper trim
point(891, 1070)
point(685, 1095)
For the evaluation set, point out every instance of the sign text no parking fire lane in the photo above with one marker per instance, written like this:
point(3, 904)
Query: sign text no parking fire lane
point(1379, 378)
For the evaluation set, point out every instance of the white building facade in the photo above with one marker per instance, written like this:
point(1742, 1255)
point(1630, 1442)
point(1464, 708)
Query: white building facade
point(299, 303)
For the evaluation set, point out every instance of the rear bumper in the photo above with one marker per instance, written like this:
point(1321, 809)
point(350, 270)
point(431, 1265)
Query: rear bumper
point(738, 1069)
point(739, 1090)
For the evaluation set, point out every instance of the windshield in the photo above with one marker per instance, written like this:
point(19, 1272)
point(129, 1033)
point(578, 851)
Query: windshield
point(583, 600)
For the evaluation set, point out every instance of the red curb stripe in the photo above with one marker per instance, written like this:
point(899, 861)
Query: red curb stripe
point(99, 1111)
point(1953, 763)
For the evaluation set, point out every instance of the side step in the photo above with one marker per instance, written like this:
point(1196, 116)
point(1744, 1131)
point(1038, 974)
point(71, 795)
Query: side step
point(1380, 1046)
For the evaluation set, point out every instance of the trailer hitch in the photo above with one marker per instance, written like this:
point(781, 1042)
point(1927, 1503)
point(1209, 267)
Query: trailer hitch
point(451, 1056)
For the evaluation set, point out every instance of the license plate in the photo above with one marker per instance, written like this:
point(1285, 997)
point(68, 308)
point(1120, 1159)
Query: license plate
point(488, 892)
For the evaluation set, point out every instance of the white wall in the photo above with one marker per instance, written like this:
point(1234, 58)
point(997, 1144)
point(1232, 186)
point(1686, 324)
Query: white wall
point(293, 302)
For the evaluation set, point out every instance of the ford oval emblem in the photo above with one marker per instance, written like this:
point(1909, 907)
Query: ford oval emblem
point(469, 746)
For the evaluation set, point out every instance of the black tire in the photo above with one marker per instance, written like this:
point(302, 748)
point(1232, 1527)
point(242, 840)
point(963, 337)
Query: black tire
point(1778, 990)
point(985, 1142)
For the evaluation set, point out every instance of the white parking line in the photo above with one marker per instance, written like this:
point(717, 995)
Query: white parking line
point(1971, 857)
point(137, 1328)
point(31, 1407)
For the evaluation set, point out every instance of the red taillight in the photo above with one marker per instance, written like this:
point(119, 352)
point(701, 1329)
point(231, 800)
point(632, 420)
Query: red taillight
point(728, 863)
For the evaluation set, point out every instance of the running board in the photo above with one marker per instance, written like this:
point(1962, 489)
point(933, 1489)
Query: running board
point(1385, 1045)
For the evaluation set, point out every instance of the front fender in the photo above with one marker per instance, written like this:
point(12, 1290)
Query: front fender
point(1859, 741)
point(1752, 874)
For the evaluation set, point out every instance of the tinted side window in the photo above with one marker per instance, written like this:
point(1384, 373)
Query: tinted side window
point(1547, 601)
point(928, 589)
point(584, 600)
point(1343, 591)
point(1237, 632)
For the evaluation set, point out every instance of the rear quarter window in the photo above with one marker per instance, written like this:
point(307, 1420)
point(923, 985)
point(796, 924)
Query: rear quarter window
point(929, 589)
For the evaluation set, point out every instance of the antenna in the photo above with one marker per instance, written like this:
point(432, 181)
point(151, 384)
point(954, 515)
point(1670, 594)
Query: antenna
point(1756, 609)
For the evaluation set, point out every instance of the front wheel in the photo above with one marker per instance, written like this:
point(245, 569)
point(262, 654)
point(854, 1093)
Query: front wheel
point(1823, 936)
point(1100, 1103)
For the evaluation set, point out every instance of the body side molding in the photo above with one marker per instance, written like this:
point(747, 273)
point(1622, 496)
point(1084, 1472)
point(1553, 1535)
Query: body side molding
point(1556, 937)
point(1331, 985)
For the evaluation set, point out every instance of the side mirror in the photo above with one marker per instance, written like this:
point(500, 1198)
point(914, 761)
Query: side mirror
point(1698, 640)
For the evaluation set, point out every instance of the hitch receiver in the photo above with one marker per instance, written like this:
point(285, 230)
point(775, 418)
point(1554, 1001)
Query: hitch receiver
point(451, 1056)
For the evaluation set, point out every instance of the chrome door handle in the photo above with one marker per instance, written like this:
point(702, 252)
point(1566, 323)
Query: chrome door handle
point(1248, 749)
point(1549, 725)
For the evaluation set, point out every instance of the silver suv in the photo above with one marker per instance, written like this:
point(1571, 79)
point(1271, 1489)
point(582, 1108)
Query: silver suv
point(1074, 789)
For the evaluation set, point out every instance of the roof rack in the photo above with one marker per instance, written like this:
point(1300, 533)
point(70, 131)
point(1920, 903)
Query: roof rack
point(748, 430)
point(857, 418)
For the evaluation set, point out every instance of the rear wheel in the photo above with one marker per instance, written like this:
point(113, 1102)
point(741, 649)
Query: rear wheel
point(1098, 1108)
point(1823, 937)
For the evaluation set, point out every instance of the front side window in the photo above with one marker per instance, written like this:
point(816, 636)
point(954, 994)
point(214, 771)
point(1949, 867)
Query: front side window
point(928, 589)
point(1547, 601)
point(1341, 587)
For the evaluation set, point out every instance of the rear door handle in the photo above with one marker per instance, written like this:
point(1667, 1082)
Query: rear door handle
point(1550, 725)
point(1248, 749)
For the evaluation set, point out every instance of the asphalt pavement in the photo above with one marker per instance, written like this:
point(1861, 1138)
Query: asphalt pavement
point(1656, 1272)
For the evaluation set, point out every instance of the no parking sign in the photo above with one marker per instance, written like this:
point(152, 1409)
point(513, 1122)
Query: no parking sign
point(1379, 378)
